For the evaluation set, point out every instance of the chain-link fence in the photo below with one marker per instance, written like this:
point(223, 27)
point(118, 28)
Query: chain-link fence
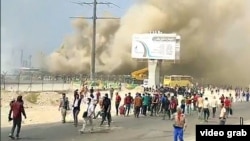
point(42, 82)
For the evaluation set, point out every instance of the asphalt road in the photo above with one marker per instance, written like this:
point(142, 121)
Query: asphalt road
point(122, 129)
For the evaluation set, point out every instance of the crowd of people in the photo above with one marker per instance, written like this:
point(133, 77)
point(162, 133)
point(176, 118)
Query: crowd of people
point(160, 102)
point(91, 103)
point(163, 101)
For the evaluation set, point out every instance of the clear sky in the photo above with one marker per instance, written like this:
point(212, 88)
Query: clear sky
point(41, 25)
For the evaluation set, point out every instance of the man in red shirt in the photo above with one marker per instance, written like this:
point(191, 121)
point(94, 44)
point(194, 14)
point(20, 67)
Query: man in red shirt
point(195, 99)
point(173, 105)
point(222, 99)
point(188, 103)
point(227, 104)
point(128, 101)
point(98, 94)
point(17, 109)
point(117, 102)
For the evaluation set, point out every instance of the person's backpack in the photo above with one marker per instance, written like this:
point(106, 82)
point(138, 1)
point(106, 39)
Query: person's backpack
point(85, 113)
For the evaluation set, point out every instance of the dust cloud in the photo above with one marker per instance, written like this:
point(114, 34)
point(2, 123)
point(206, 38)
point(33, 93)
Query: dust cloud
point(214, 46)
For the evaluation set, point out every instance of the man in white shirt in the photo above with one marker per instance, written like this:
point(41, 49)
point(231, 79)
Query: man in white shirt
point(223, 113)
point(206, 109)
point(231, 98)
point(93, 102)
point(214, 105)
point(88, 117)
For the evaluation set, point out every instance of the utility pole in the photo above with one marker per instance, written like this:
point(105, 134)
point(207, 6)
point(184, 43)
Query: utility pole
point(30, 60)
point(21, 58)
point(94, 18)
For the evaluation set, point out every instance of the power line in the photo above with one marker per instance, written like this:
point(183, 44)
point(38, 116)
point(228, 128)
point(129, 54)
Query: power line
point(94, 18)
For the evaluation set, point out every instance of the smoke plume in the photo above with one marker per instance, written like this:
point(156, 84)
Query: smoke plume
point(214, 43)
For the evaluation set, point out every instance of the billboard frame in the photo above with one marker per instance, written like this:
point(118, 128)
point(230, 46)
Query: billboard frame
point(162, 46)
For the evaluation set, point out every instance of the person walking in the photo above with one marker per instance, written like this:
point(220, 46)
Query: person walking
point(165, 106)
point(223, 115)
point(214, 105)
point(180, 124)
point(111, 92)
point(200, 106)
point(138, 104)
point(76, 107)
point(17, 109)
point(227, 105)
point(117, 103)
point(128, 102)
point(206, 112)
point(106, 110)
point(63, 107)
point(145, 103)
point(88, 116)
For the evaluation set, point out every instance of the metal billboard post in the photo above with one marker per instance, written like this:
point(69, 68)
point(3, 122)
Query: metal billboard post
point(4, 80)
point(42, 81)
point(53, 79)
point(18, 81)
point(63, 82)
point(31, 80)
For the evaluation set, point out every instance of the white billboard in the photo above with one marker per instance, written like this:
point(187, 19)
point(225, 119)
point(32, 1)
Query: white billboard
point(155, 46)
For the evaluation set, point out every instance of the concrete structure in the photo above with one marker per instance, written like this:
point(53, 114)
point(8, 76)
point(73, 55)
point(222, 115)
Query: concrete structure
point(154, 67)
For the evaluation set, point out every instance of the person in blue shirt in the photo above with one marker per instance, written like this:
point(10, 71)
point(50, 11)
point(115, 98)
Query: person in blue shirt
point(165, 106)
point(145, 104)
point(247, 96)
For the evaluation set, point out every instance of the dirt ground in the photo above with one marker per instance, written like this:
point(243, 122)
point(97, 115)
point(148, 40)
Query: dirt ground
point(42, 107)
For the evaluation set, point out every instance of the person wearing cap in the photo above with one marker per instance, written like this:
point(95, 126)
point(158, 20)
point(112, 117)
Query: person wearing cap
point(180, 124)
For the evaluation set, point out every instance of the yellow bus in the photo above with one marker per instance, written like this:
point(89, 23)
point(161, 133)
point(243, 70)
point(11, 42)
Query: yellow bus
point(178, 80)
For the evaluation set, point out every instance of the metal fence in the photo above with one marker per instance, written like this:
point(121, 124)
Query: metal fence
point(34, 82)
point(46, 82)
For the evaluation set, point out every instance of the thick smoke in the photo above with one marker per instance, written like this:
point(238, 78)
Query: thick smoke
point(214, 43)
